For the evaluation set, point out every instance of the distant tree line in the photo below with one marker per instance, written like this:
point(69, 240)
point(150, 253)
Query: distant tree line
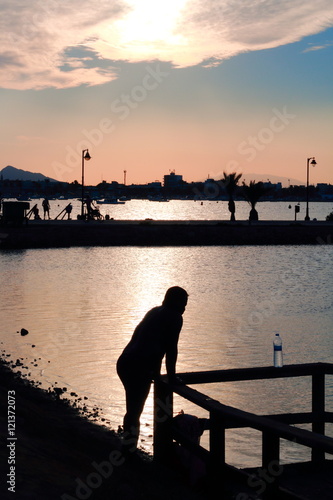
point(228, 188)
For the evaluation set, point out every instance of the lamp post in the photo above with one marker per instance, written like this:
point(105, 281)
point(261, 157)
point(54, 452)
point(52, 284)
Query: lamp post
point(313, 163)
point(85, 156)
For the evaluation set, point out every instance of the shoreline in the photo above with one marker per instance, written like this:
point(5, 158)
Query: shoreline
point(148, 232)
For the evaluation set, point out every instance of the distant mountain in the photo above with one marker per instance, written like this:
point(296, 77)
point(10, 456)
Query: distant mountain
point(274, 179)
point(16, 174)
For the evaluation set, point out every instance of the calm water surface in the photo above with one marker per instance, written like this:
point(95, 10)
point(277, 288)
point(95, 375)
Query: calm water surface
point(194, 210)
point(81, 306)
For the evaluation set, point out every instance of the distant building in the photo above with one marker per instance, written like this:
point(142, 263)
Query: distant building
point(325, 191)
point(324, 188)
point(172, 180)
point(155, 184)
point(276, 186)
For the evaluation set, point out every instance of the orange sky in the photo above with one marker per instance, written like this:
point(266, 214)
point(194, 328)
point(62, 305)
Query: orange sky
point(195, 87)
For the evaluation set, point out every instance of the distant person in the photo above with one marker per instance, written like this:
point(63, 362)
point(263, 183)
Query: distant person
point(140, 362)
point(35, 211)
point(232, 209)
point(68, 211)
point(46, 208)
point(89, 205)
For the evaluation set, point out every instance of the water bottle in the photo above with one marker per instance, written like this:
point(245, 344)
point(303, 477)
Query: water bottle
point(278, 358)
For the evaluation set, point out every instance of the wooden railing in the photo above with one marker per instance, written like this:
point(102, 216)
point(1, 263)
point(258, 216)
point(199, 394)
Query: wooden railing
point(222, 417)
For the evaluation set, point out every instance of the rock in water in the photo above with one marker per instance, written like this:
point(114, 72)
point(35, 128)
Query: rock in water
point(24, 332)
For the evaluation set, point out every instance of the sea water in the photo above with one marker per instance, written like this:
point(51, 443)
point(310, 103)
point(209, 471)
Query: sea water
point(81, 305)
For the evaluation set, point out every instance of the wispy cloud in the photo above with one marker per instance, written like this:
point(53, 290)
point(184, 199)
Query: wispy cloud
point(53, 43)
point(35, 140)
point(36, 35)
point(318, 47)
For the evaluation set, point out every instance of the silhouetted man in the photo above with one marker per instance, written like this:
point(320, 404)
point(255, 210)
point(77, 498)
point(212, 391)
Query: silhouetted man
point(155, 336)
point(46, 207)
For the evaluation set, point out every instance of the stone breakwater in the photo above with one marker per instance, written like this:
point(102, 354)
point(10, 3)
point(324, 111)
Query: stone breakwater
point(53, 234)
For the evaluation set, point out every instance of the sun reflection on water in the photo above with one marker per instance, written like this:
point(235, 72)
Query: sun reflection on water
point(81, 305)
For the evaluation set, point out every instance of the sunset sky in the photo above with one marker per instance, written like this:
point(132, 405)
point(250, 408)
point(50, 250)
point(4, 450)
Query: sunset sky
point(149, 86)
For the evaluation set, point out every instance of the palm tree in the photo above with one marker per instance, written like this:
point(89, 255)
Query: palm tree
point(252, 193)
point(230, 182)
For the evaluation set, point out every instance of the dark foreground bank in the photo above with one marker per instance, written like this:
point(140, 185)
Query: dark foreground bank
point(50, 450)
point(53, 234)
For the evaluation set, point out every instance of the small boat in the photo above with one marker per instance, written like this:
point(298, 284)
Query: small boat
point(158, 198)
point(110, 201)
point(23, 198)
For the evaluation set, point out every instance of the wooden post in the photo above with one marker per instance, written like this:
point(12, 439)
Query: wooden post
point(270, 463)
point(318, 412)
point(163, 413)
point(217, 451)
point(270, 448)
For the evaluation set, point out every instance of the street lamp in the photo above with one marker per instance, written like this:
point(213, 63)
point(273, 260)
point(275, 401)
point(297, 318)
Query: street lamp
point(85, 156)
point(313, 163)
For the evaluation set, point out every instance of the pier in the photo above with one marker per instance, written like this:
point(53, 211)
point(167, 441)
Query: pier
point(148, 232)
point(307, 480)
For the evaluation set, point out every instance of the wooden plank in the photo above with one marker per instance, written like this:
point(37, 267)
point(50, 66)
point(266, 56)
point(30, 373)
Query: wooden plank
point(163, 413)
point(270, 460)
point(287, 418)
point(273, 427)
point(216, 444)
point(285, 431)
point(255, 373)
point(318, 411)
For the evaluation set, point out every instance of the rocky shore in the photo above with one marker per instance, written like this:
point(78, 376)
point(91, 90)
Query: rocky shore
point(51, 449)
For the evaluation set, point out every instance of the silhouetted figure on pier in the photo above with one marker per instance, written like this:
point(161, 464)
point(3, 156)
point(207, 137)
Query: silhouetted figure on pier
point(68, 210)
point(46, 208)
point(35, 212)
point(155, 336)
point(90, 207)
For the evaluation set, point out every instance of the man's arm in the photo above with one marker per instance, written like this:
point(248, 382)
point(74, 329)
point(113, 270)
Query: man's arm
point(172, 351)
point(170, 362)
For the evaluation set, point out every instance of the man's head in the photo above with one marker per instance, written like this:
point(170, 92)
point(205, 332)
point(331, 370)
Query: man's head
point(176, 298)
